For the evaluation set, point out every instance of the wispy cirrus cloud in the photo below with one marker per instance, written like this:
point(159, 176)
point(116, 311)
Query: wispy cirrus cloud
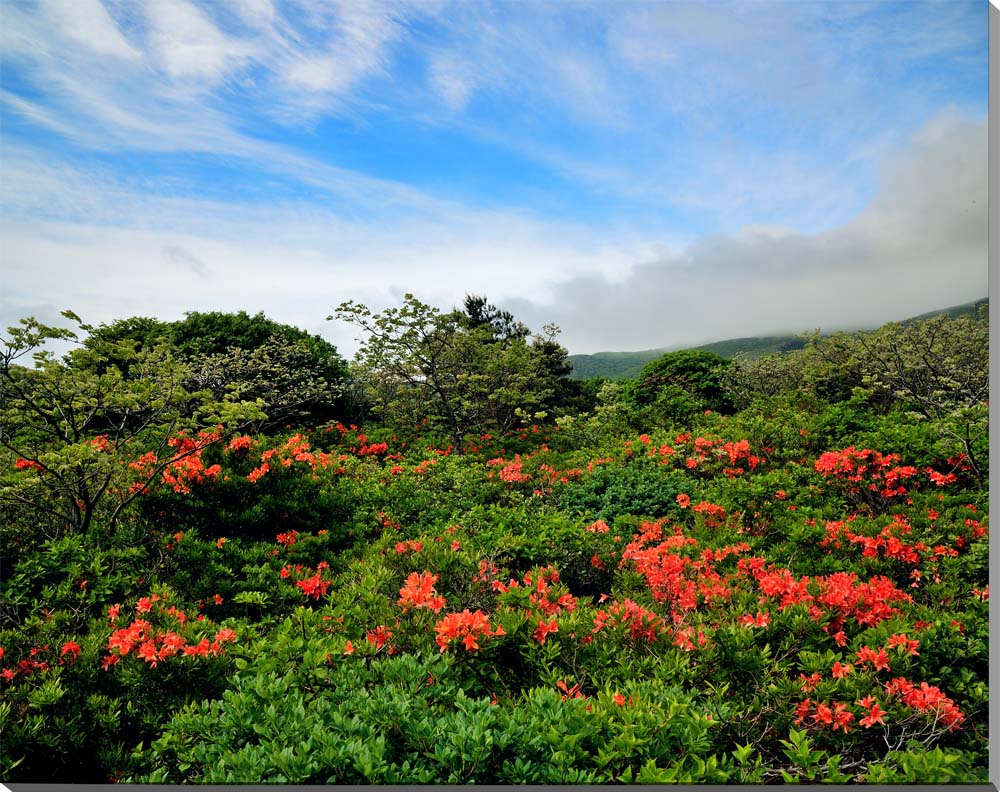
point(189, 48)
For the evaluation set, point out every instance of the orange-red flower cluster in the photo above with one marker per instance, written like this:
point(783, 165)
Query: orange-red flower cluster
point(313, 586)
point(240, 443)
point(542, 594)
point(864, 469)
point(287, 538)
point(410, 545)
point(837, 716)
point(466, 627)
point(760, 620)
point(840, 593)
point(154, 647)
point(312, 583)
point(569, 692)
point(879, 660)
point(715, 515)
point(640, 624)
point(887, 541)
point(186, 466)
point(671, 577)
point(295, 449)
point(927, 699)
point(875, 712)
point(512, 472)
point(903, 642)
point(543, 629)
point(29, 665)
point(378, 637)
point(418, 592)
point(941, 479)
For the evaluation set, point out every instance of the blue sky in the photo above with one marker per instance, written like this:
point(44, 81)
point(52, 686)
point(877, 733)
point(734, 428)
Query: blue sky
point(643, 174)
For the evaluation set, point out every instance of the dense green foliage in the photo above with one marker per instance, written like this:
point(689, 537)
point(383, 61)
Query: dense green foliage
point(292, 375)
point(680, 384)
point(784, 581)
point(935, 371)
point(75, 425)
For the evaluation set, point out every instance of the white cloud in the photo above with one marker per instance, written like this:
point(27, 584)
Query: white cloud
point(175, 254)
point(109, 273)
point(88, 24)
point(585, 81)
point(256, 13)
point(354, 49)
point(453, 80)
point(107, 250)
point(920, 245)
point(190, 77)
point(188, 45)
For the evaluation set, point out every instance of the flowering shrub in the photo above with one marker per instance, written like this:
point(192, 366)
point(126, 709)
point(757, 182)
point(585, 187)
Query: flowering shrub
point(721, 602)
point(865, 476)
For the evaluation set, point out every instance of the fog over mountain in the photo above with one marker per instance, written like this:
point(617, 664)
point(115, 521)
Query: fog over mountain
point(921, 244)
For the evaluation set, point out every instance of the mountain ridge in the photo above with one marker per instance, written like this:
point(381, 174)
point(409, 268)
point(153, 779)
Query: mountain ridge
point(627, 365)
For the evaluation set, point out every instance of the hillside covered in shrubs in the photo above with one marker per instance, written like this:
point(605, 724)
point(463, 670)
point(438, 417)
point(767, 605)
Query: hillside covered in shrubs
point(230, 557)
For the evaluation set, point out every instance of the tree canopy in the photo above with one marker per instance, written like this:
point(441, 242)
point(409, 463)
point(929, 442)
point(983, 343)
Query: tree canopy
point(684, 382)
point(294, 374)
point(461, 372)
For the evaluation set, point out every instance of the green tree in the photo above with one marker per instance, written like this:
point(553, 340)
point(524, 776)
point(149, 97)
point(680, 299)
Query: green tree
point(284, 377)
point(295, 375)
point(678, 384)
point(461, 373)
point(567, 395)
point(298, 376)
point(938, 370)
point(72, 426)
point(147, 331)
point(503, 327)
point(214, 332)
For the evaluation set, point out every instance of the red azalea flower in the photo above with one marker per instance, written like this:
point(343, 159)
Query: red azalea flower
point(542, 631)
point(70, 648)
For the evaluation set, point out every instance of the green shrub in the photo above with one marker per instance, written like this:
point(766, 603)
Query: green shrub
point(642, 489)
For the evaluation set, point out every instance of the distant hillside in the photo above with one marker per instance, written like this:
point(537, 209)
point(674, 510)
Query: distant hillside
point(627, 365)
point(614, 365)
point(755, 346)
point(954, 312)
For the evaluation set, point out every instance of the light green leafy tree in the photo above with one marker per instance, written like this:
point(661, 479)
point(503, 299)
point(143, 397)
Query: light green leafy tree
point(939, 370)
point(297, 376)
point(934, 370)
point(452, 372)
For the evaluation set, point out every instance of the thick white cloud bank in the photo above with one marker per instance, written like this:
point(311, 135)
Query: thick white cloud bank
point(920, 245)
